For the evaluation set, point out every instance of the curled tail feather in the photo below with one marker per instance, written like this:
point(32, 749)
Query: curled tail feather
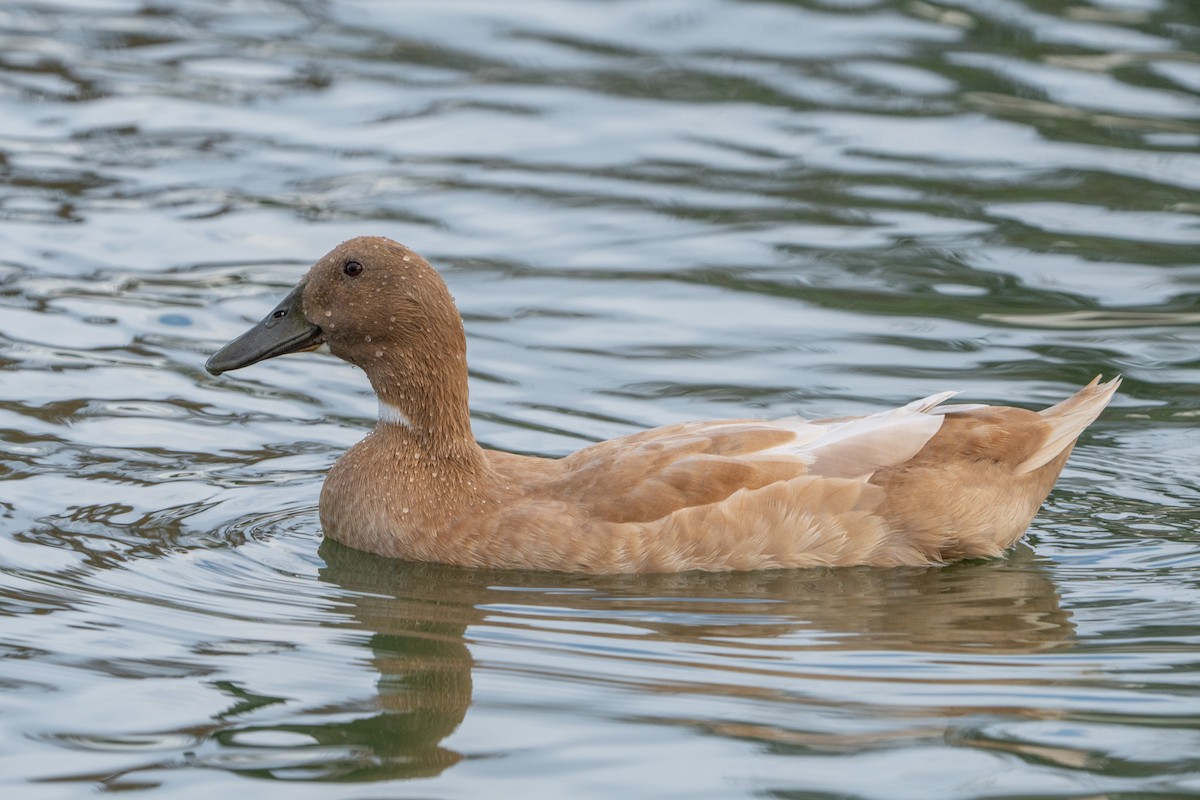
point(1068, 419)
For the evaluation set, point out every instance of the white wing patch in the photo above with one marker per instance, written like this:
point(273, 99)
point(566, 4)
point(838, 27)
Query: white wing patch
point(957, 408)
point(924, 405)
point(855, 447)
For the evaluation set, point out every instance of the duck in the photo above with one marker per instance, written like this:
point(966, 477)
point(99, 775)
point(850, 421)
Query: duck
point(920, 485)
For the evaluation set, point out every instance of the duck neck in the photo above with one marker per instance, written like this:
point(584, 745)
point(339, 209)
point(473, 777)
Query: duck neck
point(426, 405)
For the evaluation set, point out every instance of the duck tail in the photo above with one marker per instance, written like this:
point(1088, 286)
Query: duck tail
point(1068, 419)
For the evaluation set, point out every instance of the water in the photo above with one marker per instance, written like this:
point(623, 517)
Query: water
point(648, 212)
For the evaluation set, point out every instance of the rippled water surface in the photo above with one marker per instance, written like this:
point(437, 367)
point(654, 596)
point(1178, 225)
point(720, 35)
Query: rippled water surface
point(648, 212)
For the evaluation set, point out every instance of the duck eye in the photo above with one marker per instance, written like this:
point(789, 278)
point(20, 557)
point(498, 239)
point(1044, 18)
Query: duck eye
point(352, 268)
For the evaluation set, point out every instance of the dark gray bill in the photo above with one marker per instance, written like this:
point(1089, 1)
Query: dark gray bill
point(284, 330)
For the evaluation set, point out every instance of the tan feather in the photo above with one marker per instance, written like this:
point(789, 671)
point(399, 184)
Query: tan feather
point(1068, 419)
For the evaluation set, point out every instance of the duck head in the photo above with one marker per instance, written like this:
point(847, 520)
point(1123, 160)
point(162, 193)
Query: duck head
point(380, 306)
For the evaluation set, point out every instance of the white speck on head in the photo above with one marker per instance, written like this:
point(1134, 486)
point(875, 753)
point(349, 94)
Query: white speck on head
point(368, 338)
point(329, 313)
point(408, 258)
point(391, 319)
point(404, 511)
point(378, 353)
point(390, 415)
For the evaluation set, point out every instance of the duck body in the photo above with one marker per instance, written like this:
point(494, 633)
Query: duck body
point(922, 484)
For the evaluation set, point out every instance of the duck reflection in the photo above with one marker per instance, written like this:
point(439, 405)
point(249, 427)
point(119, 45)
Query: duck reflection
point(418, 616)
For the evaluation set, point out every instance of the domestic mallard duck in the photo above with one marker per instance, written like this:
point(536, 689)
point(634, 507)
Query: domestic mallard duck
point(922, 484)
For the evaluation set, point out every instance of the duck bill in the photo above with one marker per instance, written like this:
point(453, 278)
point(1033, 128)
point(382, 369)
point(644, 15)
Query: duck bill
point(284, 330)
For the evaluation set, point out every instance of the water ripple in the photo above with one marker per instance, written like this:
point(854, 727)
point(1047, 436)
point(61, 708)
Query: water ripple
point(648, 212)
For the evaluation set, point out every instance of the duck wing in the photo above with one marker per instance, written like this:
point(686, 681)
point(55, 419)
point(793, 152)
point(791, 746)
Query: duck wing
point(653, 474)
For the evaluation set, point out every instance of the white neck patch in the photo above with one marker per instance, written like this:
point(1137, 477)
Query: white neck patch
point(391, 415)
